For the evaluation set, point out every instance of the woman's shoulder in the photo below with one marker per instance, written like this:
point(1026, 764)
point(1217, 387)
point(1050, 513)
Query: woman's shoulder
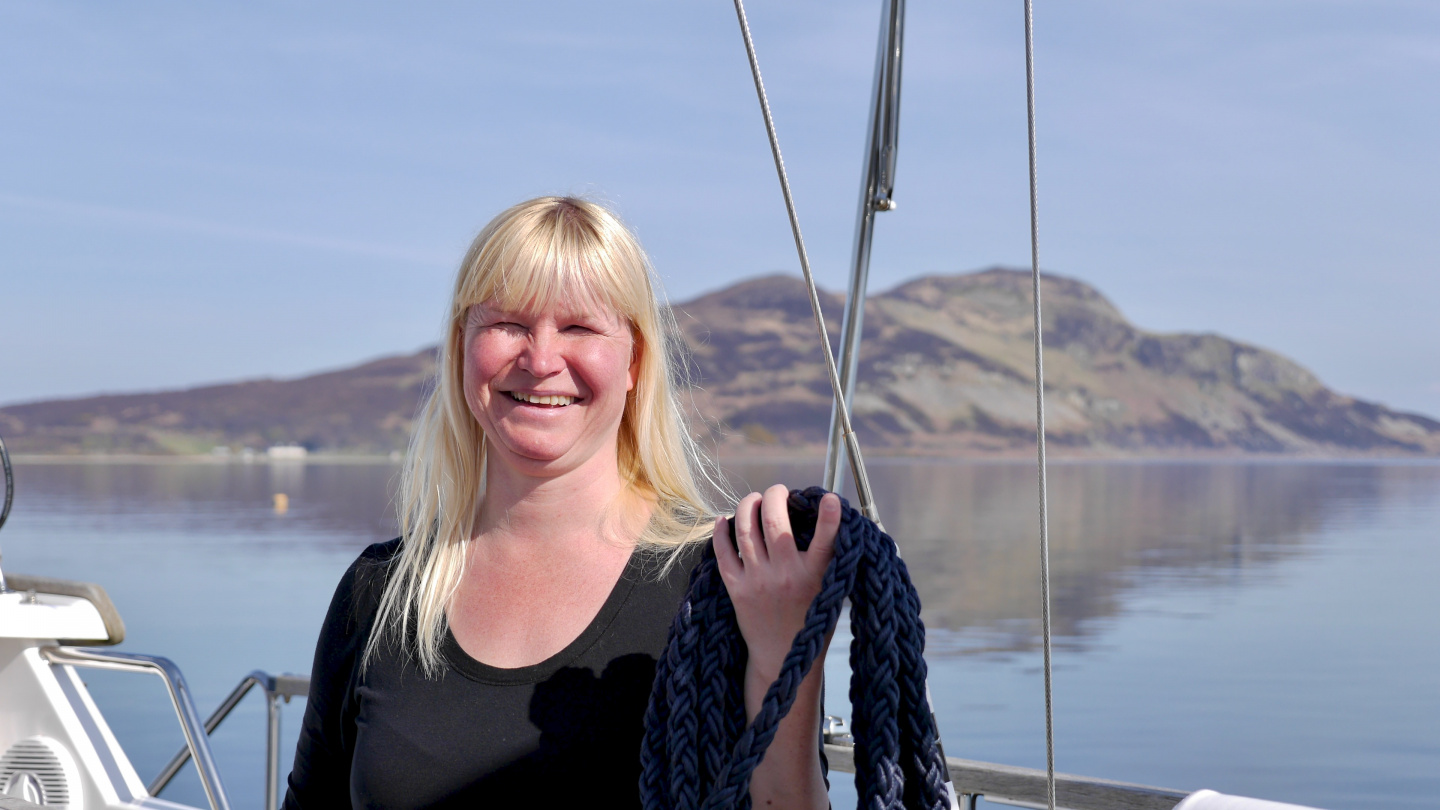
point(691, 553)
point(378, 554)
point(357, 596)
point(375, 562)
point(670, 567)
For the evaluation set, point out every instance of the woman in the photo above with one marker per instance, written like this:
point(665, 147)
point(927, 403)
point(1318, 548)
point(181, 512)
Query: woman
point(503, 649)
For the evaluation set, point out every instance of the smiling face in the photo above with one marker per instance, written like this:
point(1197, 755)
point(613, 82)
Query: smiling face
point(548, 385)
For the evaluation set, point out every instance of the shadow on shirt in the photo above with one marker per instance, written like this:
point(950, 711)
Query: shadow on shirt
point(591, 730)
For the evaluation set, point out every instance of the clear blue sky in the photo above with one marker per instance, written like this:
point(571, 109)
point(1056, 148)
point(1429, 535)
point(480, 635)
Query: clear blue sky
point(194, 192)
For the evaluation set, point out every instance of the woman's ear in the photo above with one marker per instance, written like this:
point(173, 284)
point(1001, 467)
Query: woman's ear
point(637, 350)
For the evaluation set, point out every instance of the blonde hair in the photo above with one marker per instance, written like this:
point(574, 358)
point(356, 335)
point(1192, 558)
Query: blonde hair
point(531, 255)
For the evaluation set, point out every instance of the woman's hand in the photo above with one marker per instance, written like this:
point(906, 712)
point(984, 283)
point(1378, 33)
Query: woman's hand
point(770, 581)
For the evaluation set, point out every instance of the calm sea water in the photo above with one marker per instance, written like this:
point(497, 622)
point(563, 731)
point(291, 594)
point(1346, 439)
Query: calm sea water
point(1264, 629)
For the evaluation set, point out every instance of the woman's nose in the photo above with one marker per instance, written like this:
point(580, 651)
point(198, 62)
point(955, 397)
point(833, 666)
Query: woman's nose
point(542, 355)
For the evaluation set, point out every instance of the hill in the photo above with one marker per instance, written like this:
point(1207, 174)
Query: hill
point(945, 367)
point(364, 409)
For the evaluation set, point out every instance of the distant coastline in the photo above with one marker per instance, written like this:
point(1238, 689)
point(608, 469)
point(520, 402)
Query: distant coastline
point(945, 371)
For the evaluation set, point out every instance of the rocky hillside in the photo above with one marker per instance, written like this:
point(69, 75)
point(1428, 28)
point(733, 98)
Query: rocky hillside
point(946, 367)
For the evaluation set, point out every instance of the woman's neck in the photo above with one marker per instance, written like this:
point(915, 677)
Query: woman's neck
point(585, 505)
point(546, 554)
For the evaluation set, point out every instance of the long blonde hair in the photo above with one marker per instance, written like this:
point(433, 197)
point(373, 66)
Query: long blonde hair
point(529, 256)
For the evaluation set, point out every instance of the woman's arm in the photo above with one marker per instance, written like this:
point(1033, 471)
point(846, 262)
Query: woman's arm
point(320, 777)
point(772, 583)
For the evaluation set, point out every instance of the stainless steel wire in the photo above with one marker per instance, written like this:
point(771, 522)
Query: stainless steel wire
point(1040, 405)
point(9, 498)
point(852, 447)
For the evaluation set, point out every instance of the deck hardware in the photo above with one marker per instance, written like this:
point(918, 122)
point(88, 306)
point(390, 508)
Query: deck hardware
point(835, 731)
point(196, 741)
point(1027, 787)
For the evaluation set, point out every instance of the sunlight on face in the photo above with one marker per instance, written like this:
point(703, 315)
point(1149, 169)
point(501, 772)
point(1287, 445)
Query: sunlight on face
point(548, 384)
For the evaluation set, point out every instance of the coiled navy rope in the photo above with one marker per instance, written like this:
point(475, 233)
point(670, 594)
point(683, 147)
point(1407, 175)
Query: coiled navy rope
point(698, 753)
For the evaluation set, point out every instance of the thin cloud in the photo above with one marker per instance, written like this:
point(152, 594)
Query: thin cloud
point(169, 222)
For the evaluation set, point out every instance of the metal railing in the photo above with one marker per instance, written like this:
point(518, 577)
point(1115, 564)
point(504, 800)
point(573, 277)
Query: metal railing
point(274, 687)
point(197, 734)
point(1003, 784)
point(196, 743)
point(1026, 787)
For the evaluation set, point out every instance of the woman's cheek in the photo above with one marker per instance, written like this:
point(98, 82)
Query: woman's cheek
point(472, 400)
point(475, 378)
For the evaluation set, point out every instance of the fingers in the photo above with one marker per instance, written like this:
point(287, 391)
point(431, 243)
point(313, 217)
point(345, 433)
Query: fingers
point(775, 519)
point(748, 539)
point(827, 527)
point(771, 583)
point(726, 556)
point(763, 532)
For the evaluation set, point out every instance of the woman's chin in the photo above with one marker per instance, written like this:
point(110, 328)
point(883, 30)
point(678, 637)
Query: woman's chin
point(531, 456)
point(538, 457)
point(548, 451)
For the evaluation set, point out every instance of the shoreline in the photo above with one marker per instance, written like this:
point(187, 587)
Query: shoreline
point(781, 456)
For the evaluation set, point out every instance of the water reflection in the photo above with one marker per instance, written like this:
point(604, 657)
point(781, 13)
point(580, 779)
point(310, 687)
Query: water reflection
point(969, 532)
point(322, 500)
point(1196, 600)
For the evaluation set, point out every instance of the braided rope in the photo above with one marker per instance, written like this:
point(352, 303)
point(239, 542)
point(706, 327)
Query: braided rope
point(699, 755)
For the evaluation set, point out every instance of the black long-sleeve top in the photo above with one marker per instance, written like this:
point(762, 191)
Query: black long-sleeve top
point(564, 732)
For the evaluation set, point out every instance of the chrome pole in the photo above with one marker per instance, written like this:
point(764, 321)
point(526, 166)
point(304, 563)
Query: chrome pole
point(877, 187)
point(195, 736)
point(213, 722)
point(275, 688)
point(272, 750)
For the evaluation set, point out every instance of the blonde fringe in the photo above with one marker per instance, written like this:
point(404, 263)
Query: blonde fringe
point(528, 256)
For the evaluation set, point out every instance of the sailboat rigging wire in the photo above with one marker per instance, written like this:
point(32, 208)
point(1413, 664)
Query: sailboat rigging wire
point(1040, 405)
point(852, 447)
point(9, 498)
point(9, 484)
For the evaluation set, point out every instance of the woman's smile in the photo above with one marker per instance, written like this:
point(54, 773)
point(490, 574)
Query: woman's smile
point(543, 400)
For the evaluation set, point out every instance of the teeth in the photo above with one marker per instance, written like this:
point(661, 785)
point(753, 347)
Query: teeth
point(539, 400)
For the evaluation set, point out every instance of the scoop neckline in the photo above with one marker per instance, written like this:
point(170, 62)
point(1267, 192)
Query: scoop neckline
point(477, 670)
